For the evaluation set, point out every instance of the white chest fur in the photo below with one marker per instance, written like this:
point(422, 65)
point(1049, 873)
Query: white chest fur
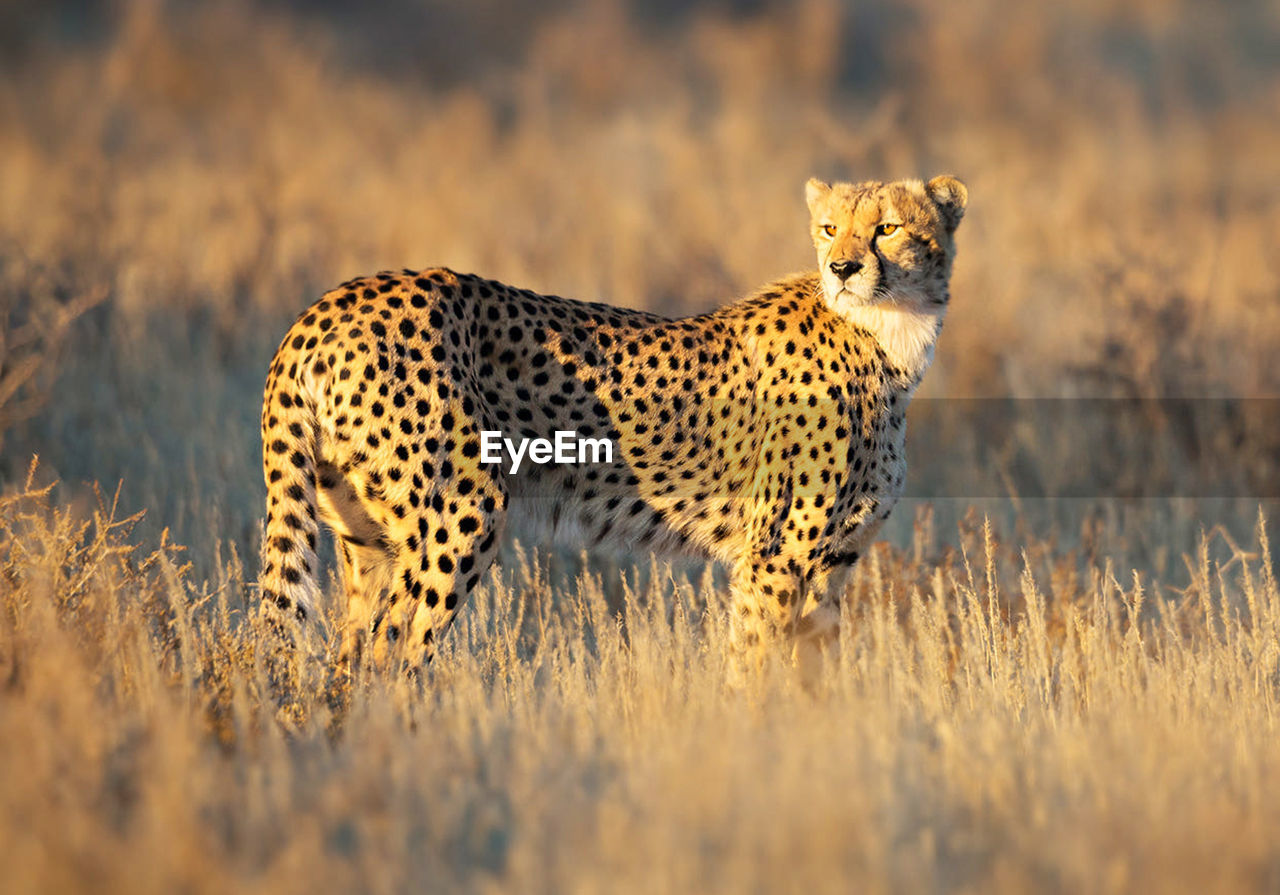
point(906, 335)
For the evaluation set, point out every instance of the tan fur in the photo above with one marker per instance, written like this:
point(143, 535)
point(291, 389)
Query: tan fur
point(767, 435)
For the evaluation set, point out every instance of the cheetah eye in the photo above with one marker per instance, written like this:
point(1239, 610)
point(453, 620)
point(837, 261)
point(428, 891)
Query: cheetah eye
point(886, 229)
point(829, 229)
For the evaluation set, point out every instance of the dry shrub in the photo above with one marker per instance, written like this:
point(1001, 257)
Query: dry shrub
point(37, 314)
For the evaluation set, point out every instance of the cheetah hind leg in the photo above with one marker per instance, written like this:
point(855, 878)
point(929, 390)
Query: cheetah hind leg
point(436, 569)
point(363, 557)
point(365, 571)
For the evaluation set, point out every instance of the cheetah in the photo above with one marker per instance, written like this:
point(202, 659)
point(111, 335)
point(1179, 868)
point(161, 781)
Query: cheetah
point(767, 435)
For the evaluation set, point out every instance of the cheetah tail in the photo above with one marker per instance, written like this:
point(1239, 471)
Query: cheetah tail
point(289, 448)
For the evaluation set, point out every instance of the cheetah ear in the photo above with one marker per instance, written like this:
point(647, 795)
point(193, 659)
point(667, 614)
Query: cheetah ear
point(814, 192)
point(951, 196)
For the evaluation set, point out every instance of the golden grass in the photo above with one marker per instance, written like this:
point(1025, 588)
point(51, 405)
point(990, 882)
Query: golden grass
point(1014, 709)
point(986, 729)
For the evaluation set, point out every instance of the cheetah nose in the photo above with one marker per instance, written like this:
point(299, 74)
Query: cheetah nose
point(845, 269)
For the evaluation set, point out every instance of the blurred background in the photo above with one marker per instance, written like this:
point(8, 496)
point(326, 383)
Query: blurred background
point(179, 179)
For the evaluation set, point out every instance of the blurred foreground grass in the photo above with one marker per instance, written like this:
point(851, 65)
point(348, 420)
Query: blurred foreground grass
point(996, 723)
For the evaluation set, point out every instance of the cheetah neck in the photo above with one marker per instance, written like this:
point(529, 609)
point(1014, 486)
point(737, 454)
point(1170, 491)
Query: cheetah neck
point(905, 335)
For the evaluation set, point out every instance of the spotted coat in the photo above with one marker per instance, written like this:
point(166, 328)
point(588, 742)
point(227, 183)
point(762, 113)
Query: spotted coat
point(767, 434)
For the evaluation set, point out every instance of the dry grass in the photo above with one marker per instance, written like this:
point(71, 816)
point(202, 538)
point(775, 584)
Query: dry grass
point(1013, 711)
point(993, 725)
point(1122, 167)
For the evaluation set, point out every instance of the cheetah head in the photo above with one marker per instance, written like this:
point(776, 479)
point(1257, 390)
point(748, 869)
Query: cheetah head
point(886, 244)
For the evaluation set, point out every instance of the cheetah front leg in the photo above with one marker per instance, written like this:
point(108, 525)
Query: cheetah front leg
point(769, 581)
point(765, 593)
point(817, 630)
point(819, 619)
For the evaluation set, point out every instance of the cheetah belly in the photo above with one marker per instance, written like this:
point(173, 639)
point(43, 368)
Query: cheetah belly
point(678, 506)
point(562, 507)
point(679, 463)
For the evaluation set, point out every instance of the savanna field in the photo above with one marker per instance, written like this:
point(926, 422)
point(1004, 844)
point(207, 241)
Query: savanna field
point(1061, 668)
